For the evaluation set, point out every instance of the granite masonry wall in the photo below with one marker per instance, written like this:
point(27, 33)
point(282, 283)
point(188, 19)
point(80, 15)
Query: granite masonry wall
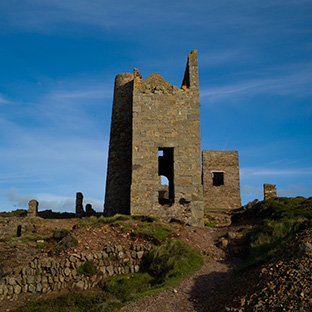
point(155, 132)
point(269, 191)
point(50, 274)
point(119, 166)
point(221, 179)
point(17, 226)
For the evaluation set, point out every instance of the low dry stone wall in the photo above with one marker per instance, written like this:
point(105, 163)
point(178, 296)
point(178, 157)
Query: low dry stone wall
point(50, 274)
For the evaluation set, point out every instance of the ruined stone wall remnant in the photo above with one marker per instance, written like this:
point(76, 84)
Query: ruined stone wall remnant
point(269, 191)
point(79, 205)
point(90, 211)
point(32, 208)
point(46, 275)
point(221, 179)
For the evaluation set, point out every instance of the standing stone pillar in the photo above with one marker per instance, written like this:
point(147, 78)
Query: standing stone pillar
point(269, 191)
point(79, 205)
point(32, 208)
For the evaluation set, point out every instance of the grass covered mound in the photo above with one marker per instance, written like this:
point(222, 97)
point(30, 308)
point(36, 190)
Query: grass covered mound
point(276, 209)
point(145, 227)
point(278, 219)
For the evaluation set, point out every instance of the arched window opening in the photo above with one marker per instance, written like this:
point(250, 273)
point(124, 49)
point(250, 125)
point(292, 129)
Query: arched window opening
point(165, 171)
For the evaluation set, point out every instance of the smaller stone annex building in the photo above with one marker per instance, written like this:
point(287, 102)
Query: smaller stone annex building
point(154, 163)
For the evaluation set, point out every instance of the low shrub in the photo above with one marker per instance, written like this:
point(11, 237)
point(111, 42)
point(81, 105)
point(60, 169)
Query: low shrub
point(59, 234)
point(172, 260)
point(88, 268)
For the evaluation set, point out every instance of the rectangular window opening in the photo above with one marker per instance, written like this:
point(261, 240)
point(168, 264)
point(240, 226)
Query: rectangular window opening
point(217, 178)
point(166, 173)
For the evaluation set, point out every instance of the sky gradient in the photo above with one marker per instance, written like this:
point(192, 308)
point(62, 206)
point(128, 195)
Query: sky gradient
point(58, 62)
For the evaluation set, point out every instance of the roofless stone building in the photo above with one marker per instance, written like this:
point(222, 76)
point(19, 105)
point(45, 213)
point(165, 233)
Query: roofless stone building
point(155, 136)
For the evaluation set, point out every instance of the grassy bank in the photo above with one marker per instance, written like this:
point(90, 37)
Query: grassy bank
point(278, 221)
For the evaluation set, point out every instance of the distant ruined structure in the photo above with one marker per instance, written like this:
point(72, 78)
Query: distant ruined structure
point(79, 211)
point(154, 163)
point(32, 208)
point(269, 191)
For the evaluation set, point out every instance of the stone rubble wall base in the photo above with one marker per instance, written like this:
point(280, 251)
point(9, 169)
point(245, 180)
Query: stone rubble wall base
point(52, 275)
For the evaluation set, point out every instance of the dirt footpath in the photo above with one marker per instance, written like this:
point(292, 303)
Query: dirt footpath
point(195, 292)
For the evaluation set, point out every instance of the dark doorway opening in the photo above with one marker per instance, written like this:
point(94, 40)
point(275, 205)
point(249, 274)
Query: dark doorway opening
point(19, 231)
point(165, 168)
point(217, 178)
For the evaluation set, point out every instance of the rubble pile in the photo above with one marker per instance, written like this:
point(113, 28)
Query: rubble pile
point(283, 284)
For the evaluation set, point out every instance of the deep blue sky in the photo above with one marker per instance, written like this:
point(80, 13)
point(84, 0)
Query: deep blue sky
point(58, 61)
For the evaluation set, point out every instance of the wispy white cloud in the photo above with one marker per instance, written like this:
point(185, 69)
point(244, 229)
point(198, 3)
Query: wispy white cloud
point(275, 172)
point(46, 16)
point(222, 57)
point(81, 90)
point(251, 192)
point(293, 82)
point(3, 100)
point(294, 190)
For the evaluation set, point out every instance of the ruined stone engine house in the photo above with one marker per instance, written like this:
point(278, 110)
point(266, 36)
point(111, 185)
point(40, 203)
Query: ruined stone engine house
point(155, 136)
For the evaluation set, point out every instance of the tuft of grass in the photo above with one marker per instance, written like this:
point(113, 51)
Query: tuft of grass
point(58, 234)
point(5, 274)
point(88, 268)
point(128, 287)
point(210, 224)
point(172, 260)
point(103, 220)
point(109, 306)
point(153, 231)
